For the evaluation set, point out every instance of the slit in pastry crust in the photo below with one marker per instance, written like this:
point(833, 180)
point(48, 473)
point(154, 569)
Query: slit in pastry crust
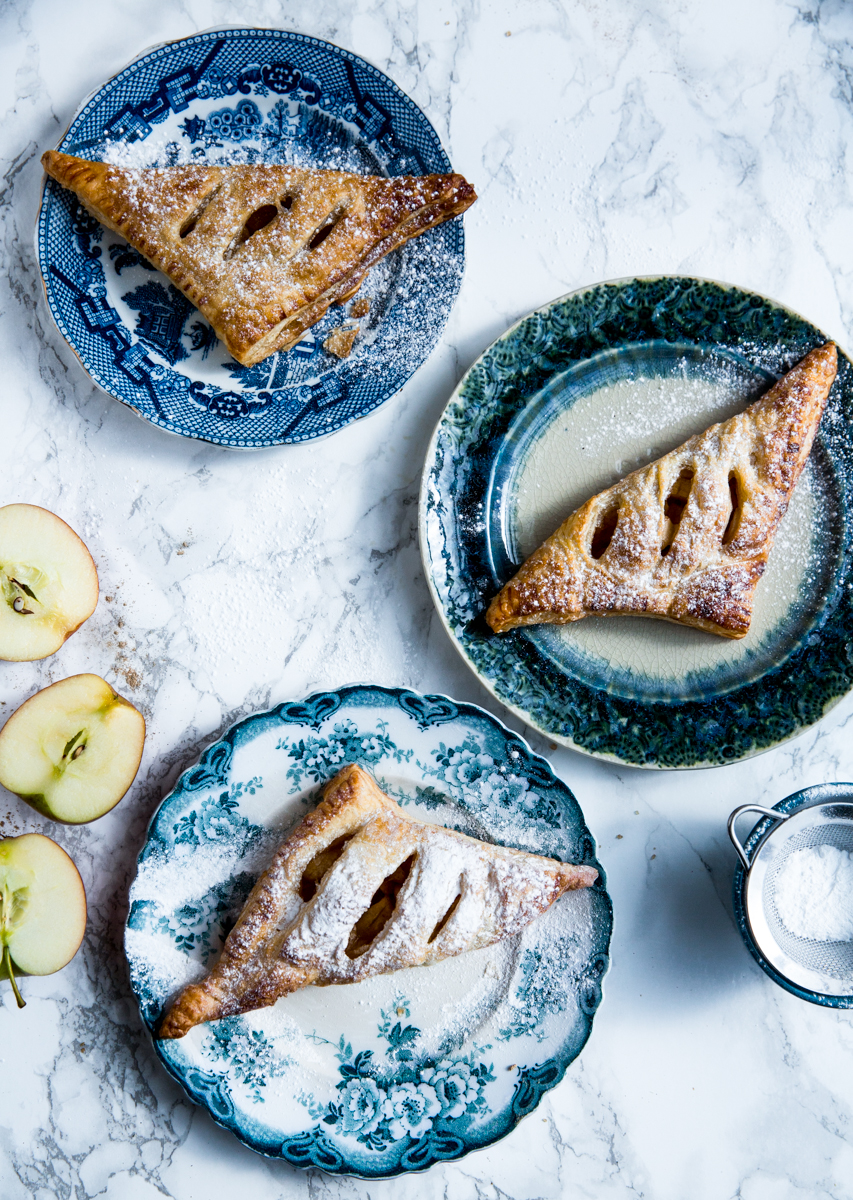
point(390, 892)
point(262, 251)
point(686, 538)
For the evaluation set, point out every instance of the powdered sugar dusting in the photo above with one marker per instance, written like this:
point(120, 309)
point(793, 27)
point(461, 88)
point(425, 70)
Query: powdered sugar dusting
point(163, 969)
point(813, 894)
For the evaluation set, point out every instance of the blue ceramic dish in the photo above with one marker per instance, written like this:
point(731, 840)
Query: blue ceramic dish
point(570, 400)
point(393, 1074)
point(244, 95)
point(824, 793)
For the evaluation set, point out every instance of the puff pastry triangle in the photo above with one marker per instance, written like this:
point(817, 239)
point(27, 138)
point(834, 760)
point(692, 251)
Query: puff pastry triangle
point(359, 889)
point(687, 537)
point(261, 250)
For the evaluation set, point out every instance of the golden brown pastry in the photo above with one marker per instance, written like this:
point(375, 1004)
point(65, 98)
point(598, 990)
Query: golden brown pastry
point(261, 250)
point(341, 341)
point(687, 537)
point(357, 890)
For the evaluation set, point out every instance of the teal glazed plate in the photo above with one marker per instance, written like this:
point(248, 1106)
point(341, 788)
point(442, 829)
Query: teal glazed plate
point(567, 402)
point(398, 1072)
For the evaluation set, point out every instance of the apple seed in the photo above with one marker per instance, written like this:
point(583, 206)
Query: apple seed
point(71, 746)
point(27, 590)
point(18, 604)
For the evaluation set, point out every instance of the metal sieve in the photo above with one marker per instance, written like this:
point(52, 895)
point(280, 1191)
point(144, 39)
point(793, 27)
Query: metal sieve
point(817, 816)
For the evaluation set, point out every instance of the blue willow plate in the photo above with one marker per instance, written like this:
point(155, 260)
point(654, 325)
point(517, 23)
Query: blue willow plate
point(228, 96)
point(567, 402)
point(398, 1072)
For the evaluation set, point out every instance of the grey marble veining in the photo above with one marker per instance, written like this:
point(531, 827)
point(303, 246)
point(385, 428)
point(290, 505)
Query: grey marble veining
point(606, 139)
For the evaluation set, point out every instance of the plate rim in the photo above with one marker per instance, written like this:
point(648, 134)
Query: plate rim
point(166, 425)
point(424, 514)
point(462, 709)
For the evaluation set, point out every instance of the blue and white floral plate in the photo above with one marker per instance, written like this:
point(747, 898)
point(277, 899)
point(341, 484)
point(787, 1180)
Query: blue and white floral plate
point(244, 95)
point(398, 1072)
point(570, 400)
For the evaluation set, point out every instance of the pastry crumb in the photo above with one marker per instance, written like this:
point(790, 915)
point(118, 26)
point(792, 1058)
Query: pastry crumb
point(360, 307)
point(340, 341)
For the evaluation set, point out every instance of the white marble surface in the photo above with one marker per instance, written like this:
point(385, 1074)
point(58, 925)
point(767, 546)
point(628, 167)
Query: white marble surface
point(606, 138)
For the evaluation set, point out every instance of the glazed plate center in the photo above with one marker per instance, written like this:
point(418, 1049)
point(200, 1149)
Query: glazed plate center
point(592, 425)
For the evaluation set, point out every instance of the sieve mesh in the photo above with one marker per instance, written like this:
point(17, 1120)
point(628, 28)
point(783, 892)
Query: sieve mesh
point(834, 959)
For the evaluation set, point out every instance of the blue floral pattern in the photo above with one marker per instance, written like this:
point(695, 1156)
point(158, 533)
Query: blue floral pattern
point(319, 758)
point(234, 124)
point(250, 1054)
point(218, 819)
point(201, 925)
point(465, 769)
point(421, 1094)
point(396, 1093)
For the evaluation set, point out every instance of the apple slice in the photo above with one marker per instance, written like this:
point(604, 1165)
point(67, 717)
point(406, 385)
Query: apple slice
point(48, 581)
point(73, 749)
point(42, 908)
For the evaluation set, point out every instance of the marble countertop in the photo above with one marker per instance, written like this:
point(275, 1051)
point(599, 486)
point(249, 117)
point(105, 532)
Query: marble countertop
point(606, 139)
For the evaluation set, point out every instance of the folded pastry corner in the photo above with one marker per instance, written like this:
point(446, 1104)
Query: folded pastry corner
point(261, 250)
point(687, 537)
point(359, 889)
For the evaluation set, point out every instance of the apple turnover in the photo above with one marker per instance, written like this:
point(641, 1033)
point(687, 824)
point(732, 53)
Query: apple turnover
point(262, 251)
point(359, 889)
point(686, 538)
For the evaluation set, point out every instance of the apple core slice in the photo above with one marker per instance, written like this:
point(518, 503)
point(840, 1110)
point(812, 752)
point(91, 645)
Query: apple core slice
point(42, 908)
point(73, 749)
point(48, 582)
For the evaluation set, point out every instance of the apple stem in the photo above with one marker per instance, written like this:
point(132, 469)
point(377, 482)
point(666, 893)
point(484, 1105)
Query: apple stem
point(7, 963)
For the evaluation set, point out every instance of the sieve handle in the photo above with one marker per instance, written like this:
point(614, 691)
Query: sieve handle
point(745, 808)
